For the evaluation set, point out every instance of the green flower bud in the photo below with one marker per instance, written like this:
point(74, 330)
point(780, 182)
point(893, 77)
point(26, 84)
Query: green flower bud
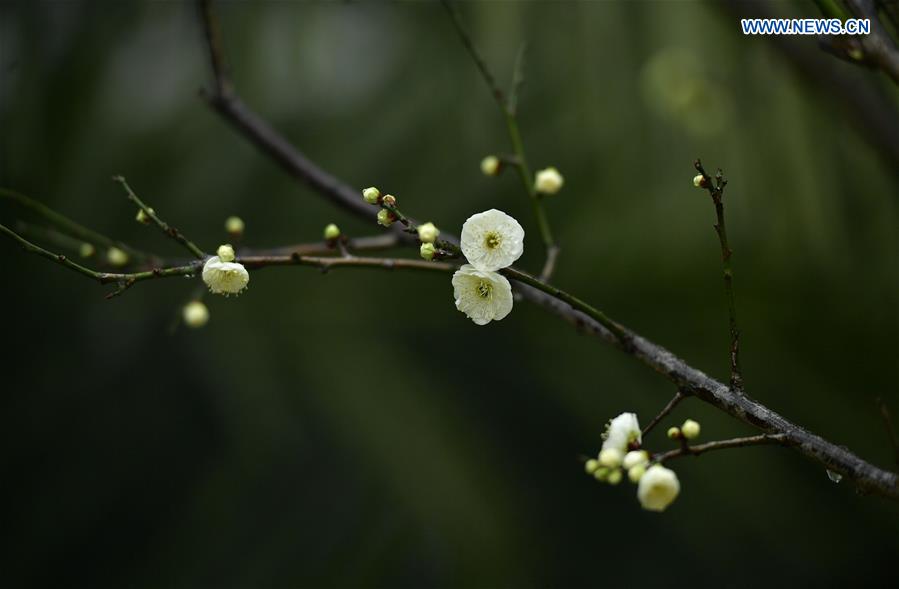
point(371, 195)
point(591, 465)
point(634, 473)
point(674, 433)
point(428, 251)
point(690, 429)
point(491, 166)
point(86, 250)
point(332, 232)
point(699, 181)
point(225, 253)
point(385, 218)
point(615, 477)
point(195, 314)
point(234, 226)
point(116, 257)
point(428, 233)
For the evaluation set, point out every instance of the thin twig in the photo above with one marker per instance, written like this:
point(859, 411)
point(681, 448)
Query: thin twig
point(678, 397)
point(686, 450)
point(716, 190)
point(71, 227)
point(163, 226)
point(888, 425)
point(214, 45)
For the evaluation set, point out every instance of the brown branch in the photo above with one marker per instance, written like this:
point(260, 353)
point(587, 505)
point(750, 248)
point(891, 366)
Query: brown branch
point(866, 476)
point(716, 191)
point(686, 450)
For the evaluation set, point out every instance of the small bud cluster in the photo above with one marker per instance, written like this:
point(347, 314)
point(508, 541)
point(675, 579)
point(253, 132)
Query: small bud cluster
point(687, 431)
point(621, 454)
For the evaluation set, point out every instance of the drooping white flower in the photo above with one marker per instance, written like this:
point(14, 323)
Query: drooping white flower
point(492, 240)
point(225, 277)
point(482, 296)
point(622, 431)
point(548, 181)
point(195, 314)
point(658, 487)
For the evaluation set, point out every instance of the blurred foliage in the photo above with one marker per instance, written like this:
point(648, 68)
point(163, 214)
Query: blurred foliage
point(355, 429)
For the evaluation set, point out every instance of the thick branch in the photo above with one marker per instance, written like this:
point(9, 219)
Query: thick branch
point(831, 456)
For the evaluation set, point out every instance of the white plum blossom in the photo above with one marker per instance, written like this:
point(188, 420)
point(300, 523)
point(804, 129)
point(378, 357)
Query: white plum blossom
point(621, 432)
point(225, 277)
point(492, 240)
point(482, 296)
point(658, 487)
point(548, 181)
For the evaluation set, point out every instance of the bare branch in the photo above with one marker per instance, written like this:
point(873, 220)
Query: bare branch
point(866, 476)
point(163, 226)
point(716, 191)
point(685, 450)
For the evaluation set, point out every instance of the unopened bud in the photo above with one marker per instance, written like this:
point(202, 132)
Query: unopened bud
point(690, 429)
point(371, 195)
point(86, 250)
point(234, 226)
point(674, 433)
point(634, 473)
point(385, 218)
point(428, 251)
point(601, 473)
point(332, 232)
point(225, 253)
point(591, 465)
point(428, 233)
point(195, 314)
point(610, 457)
point(116, 257)
point(635, 457)
point(491, 166)
point(699, 181)
point(615, 477)
point(389, 200)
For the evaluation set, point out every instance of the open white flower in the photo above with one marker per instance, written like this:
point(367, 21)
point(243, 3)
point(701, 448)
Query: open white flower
point(492, 240)
point(658, 488)
point(622, 431)
point(482, 296)
point(225, 277)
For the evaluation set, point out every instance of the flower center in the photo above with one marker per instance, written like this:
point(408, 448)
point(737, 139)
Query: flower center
point(484, 289)
point(492, 240)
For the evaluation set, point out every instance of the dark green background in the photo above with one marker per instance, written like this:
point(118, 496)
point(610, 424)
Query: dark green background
point(354, 429)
